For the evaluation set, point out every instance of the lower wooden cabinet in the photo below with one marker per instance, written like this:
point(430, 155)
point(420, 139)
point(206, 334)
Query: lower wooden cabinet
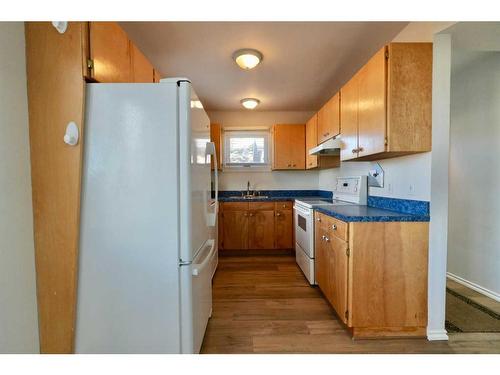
point(256, 225)
point(374, 274)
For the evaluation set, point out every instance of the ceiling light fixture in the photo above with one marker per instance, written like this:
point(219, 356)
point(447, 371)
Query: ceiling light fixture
point(247, 58)
point(250, 103)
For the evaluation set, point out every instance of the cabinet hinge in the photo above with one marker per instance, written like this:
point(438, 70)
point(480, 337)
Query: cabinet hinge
point(346, 314)
point(347, 252)
point(90, 63)
point(387, 54)
point(386, 141)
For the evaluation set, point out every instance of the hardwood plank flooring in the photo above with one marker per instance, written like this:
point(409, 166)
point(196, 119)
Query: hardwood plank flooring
point(263, 304)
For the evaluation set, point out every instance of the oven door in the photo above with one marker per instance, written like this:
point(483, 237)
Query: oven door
point(304, 231)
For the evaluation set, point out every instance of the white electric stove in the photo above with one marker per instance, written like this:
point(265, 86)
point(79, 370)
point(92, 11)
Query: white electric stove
point(348, 190)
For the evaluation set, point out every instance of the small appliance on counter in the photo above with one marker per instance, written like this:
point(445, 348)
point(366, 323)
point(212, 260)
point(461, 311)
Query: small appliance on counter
point(348, 190)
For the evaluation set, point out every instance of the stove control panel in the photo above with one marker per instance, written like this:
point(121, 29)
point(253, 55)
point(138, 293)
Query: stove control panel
point(352, 189)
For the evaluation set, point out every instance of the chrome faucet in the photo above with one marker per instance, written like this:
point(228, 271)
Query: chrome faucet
point(248, 187)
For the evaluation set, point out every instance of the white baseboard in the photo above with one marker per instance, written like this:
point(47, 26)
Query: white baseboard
point(437, 335)
point(471, 285)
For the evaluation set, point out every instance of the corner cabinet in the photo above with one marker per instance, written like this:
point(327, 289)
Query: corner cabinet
point(374, 274)
point(256, 225)
point(386, 107)
point(288, 146)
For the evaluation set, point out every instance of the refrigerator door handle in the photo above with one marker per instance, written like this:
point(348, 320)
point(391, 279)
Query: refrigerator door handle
point(210, 150)
point(199, 267)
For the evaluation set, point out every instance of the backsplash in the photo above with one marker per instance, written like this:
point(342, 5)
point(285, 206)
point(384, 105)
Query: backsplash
point(407, 206)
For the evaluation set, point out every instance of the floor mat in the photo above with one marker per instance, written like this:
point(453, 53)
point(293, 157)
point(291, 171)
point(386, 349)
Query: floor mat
point(465, 315)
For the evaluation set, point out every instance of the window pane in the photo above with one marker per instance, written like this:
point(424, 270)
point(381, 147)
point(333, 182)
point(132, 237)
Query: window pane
point(247, 150)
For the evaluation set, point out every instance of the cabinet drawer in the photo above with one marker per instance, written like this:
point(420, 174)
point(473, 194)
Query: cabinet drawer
point(285, 205)
point(268, 206)
point(235, 206)
point(337, 228)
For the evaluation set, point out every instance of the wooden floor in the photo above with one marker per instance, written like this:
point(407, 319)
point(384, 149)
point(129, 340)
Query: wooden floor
point(263, 304)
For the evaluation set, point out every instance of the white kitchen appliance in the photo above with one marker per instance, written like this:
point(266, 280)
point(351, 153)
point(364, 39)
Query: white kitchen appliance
point(348, 190)
point(148, 225)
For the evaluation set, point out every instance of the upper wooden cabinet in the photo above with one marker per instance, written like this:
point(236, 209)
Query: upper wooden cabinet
point(215, 137)
point(116, 59)
point(142, 70)
point(311, 141)
point(386, 106)
point(109, 52)
point(349, 119)
point(289, 143)
point(329, 119)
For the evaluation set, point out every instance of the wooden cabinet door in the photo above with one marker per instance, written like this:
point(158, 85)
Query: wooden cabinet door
point(142, 70)
point(235, 226)
point(284, 229)
point(321, 262)
point(372, 111)
point(337, 275)
point(110, 53)
point(215, 137)
point(261, 229)
point(311, 141)
point(349, 119)
point(329, 119)
point(289, 143)
point(56, 93)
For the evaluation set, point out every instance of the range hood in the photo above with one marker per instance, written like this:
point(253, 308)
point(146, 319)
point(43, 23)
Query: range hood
point(330, 147)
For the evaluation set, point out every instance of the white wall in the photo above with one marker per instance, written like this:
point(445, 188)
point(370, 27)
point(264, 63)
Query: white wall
point(18, 313)
point(406, 177)
point(286, 180)
point(474, 171)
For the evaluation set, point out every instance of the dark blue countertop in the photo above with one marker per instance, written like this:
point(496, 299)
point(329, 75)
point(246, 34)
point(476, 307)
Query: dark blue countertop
point(380, 209)
point(354, 213)
point(268, 199)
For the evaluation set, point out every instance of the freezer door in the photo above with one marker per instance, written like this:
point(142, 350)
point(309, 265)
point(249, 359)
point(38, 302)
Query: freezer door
point(196, 297)
point(128, 285)
point(194, 174)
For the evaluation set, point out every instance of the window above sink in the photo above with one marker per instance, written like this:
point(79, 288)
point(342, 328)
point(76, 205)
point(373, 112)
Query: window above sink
point(246, 150)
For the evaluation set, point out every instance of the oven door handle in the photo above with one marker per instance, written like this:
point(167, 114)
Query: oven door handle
point(302, 211)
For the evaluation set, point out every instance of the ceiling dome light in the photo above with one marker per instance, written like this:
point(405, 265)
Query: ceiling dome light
point(247, 58)
point(250, 103)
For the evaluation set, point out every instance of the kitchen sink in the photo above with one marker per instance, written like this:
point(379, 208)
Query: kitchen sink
point(249, 197)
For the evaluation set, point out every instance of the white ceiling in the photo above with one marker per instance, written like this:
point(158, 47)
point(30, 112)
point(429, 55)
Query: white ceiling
point(304, 63)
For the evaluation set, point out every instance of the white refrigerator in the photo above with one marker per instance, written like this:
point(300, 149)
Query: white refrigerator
point(148, 225)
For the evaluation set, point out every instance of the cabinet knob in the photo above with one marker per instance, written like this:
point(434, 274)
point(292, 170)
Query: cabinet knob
point(354, 150)
point(334, 227)
point(327, 239)
point(251, 214)
point(278, 214)
point(318, 219)
point(323, 237)
point(284, 206)
point(289, 165)
point(294, 165)
point(360, 149)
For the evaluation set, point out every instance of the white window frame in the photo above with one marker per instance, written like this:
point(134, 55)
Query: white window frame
point(247, 167)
